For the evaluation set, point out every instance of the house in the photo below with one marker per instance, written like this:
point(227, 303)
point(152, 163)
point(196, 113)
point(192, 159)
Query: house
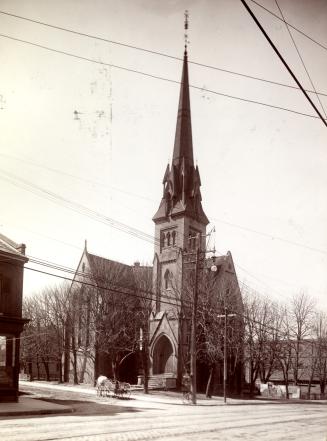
point(12, 260)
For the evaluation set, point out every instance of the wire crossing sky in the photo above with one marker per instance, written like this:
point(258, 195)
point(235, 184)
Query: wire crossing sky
point(262, 167)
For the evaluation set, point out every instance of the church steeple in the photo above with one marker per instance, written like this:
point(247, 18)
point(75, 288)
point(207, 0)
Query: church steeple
point(183, 148)
point(181, 195)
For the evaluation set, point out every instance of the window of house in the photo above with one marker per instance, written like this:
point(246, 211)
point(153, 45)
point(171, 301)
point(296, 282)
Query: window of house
point(173, 235)
point(168, 239)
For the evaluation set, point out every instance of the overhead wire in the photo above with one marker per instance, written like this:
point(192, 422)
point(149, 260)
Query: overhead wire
point(242, 227)
point(149, 51)
point(80, 178)
point(301, 58)
point(115, 290)
point(81, 209)
point(148, 75)
point(282, 59)
point(290, 25)
point(271, 236)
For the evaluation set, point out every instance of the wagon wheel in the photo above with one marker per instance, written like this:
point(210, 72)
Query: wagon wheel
point(127, 390)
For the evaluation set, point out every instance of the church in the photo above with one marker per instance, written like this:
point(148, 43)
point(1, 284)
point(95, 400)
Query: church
point(180, 270)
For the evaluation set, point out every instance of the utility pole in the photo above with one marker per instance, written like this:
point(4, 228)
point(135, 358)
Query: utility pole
point(193, 329)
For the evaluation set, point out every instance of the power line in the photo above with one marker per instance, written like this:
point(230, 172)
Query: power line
point(301, 58)
point(271, 236)
point(291, 26)
point(133, 294)
point(81, 209)
point(152, 51)
point(283, 60)
point(189, 302)
point(90, 181)
point(148, 75)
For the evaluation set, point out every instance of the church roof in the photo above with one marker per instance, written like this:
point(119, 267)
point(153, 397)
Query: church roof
point(116, 273)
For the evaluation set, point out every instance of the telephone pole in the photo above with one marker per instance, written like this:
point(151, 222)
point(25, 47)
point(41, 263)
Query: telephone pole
point(193, 329)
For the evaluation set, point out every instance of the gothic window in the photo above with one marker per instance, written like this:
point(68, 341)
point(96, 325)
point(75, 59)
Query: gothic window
point(162, 240)
point(173, 235)
point(167, 279)
point(168, 239)
point(191, 241)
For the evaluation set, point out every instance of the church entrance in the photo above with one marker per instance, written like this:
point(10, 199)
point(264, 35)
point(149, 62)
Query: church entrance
point(163, 356)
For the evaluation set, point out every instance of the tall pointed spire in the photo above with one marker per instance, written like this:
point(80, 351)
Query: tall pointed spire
point(183, 147)
point(181, 195)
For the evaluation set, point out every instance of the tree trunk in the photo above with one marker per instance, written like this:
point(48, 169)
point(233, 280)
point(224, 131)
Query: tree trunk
point(46, 368)
point(38, 369)
point(60, 370)
point(209, 382)
point(66, 354)
point(75, 379)
point(145, 370)
point(30, 370)
point(83, 369)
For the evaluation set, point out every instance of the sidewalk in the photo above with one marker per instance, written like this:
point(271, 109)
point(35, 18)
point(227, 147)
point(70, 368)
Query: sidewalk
point(137, 396)
point(32, 406)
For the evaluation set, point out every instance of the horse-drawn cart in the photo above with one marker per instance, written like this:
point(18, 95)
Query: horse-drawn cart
point(109, 388)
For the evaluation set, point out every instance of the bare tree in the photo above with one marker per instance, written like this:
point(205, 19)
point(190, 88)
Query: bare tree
point(108, 316)
point(320, 330)
point(285, 347)
point(262, 321)
point(301, 327)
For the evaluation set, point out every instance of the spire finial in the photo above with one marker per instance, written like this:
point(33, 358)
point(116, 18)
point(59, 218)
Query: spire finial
point(186, 41)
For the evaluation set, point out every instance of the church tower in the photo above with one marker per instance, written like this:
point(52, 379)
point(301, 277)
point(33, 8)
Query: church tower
point(180, 229)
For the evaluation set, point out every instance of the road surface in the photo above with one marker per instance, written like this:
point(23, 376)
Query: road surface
point(103, 419)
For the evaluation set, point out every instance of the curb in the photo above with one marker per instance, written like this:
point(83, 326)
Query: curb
point(36, 412)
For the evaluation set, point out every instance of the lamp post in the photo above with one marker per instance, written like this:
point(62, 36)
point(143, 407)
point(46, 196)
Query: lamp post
point(225, 350)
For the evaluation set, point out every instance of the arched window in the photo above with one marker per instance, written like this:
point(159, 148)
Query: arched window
point(168, 239)
point(162, 240)
point(173, 235)
point(167, 279)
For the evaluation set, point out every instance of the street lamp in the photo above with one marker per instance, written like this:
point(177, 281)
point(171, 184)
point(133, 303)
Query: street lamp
point(225, 349)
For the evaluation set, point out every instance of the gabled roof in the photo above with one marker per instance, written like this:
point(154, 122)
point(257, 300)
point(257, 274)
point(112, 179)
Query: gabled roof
point(118, 274)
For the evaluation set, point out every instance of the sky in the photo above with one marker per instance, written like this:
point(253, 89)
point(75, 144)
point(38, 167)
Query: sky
point(263, 169)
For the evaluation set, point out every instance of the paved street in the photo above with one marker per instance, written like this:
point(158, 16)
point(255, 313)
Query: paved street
point(112, 419)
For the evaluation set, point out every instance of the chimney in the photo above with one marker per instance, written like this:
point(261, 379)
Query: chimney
point(21, 248)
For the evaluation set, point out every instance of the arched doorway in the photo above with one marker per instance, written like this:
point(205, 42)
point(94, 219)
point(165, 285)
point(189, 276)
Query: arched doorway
point(129, 367)
point(163, 356)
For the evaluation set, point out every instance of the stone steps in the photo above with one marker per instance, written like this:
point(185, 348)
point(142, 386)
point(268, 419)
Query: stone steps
point(162, 381)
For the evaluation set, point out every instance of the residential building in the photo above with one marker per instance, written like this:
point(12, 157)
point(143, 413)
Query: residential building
point(12, 260)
